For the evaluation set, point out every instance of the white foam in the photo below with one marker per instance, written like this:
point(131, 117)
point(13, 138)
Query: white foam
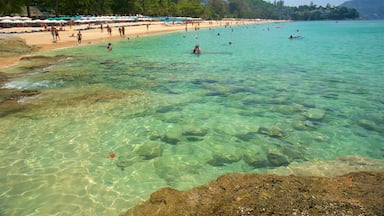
point(23, 84)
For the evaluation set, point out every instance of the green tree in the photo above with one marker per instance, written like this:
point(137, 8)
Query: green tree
point(7, 7)
point(218, 8)
point(191, 8)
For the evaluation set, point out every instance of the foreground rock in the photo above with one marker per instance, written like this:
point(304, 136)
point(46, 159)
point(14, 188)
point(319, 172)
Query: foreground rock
point(13, 46)
point(360, 193)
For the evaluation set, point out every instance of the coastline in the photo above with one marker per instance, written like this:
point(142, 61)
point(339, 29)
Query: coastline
point(63, 163)
point(42, 40)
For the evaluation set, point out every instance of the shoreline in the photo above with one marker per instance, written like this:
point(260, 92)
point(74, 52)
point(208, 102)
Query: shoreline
point(42, 40)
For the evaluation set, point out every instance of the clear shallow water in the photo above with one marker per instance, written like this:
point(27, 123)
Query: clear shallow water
point(175, 119)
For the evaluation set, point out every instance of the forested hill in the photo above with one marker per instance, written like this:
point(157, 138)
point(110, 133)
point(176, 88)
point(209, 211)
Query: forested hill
point(208, 9)
point(368, 9)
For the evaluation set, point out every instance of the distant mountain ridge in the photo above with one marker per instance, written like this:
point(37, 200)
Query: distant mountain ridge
point(368, 9)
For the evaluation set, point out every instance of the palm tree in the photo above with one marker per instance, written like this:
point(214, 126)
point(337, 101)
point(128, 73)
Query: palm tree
point(27, 2)
point(57, 8)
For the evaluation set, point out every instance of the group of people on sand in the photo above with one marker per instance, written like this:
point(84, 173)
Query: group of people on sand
point(122, 31)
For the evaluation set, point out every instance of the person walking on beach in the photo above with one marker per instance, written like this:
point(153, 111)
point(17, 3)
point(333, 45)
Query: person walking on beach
point(79, 37)
point(109, 30)
point(53, 32)
point(57, 34)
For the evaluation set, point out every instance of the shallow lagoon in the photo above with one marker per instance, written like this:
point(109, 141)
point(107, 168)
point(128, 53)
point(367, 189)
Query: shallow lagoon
point(109, 128)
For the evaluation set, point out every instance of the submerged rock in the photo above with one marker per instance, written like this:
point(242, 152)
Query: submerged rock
point(170, 168)
point(216, 93)
point(202, 81)
point(247, 136)
point(314, 114)
point(149, 150)
point(225, 155)
point(126, 161)
point(277, 159)
point(369, 125)
point(303, 125)
point(274, 131)
point(256, 160)
point(194, 134)
point(172, 136)
point(222, 159)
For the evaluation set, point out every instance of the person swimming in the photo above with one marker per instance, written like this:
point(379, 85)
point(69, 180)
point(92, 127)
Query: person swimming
point(294, 36)
point(109, 47)
point(197, 49)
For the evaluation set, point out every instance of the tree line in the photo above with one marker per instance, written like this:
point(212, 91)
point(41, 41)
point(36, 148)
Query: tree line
point(208, 9)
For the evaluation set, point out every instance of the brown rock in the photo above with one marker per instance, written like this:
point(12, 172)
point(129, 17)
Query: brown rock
point(360, 193)
point(13, 46)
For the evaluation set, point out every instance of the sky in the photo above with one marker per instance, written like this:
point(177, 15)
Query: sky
point(316, 2)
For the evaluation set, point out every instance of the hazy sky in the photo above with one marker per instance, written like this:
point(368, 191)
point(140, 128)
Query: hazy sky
point(316, 2)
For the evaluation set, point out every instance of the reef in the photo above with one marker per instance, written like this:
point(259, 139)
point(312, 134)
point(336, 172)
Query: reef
point(357, 193)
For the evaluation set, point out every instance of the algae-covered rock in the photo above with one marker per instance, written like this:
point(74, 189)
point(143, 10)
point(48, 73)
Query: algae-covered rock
point(172, 136)
point(126, 161)
point(13, 46)
point(368, 124)
point(274, 131)
point(277, 159)
point(314, 114)
point(225, 155)
point(149, 150)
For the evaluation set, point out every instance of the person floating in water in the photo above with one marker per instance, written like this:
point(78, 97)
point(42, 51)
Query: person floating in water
point(197, 49)
point(109, 47)
point(294, 36)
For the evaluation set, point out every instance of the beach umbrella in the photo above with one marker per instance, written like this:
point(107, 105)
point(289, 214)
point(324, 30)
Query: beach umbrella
point(6, 21)
point(51, 21)
point(36, 21)
point(18, 21)
point(6, 18)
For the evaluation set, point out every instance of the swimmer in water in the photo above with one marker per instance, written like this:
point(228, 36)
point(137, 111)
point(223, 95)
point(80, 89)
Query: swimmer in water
point(196, 50)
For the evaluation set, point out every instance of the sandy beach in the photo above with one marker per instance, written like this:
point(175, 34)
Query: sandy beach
point(42, 39)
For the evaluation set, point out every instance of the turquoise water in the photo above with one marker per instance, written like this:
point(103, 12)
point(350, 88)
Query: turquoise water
point(109, 128)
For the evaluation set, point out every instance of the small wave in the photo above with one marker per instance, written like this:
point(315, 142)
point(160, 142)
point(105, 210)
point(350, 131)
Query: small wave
point(23, 84)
